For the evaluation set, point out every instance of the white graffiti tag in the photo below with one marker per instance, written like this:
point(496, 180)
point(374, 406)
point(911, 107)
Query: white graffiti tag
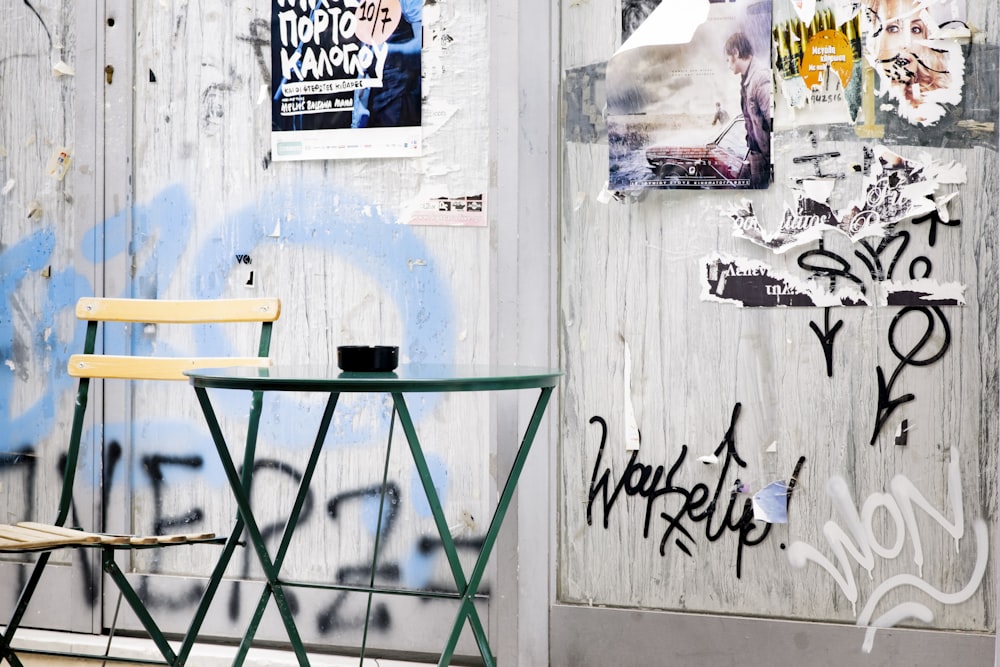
point(860, 543)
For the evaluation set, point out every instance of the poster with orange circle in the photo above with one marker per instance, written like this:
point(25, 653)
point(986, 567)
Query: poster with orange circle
point(376, 20)
point(827, 51)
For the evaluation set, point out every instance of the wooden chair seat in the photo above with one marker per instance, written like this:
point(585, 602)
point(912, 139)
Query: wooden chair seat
point(32, 536)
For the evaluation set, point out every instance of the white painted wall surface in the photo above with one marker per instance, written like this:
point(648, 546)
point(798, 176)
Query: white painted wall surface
point(637, 336)
point(192, 203)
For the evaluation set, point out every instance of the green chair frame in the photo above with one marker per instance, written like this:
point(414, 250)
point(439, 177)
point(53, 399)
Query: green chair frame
point(33, 537)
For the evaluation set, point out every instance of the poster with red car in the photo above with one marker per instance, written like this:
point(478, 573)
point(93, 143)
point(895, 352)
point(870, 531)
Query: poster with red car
point(693, 110)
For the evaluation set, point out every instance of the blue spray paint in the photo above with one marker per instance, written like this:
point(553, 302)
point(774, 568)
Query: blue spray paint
point(315, 217)
point(348, 227)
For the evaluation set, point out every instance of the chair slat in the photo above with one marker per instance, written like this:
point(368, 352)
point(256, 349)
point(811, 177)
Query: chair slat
point(151, 368)
point(50, 529)
point(178, 311)
point(179, 538)
point(62, 531)
point(18, 538)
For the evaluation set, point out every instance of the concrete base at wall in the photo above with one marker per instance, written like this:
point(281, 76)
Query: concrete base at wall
point(598, 637)
point(204, 655)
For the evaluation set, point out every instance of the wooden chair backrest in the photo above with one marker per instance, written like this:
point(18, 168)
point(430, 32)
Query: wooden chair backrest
point(156, 311)
point(90, 365)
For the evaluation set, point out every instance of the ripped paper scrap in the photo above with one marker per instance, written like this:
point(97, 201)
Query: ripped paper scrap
point(754, 284)
point(58, 163)
point(62, 69)
point(711, 459)
point(670, 22)
point(435, 116)
point(449, 211)
point(770, 504)
point(901, 438)
point(895, 189)
point(804, 9)
point(922, 292)
point(631, 427)
point(912, 46)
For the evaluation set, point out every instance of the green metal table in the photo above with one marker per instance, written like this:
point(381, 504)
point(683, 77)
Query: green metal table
point(407, 379)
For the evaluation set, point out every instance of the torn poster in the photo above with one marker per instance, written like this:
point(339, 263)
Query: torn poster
point(445, 211)
point(818, 62)
point(895, 189)
point(770, 504)
point(922, 292)
point(753, 284)
point(345, 79)
point(913, 45)
point(690, 97)
point(634, 14)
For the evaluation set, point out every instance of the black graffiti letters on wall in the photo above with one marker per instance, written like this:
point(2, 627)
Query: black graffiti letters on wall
point(720, 510)
point(887, 404)
point(827, 335)
point(933, 219)
point(22, 460)
point(273, 529)
point(155, 467)
point(872, 257)
point(345, 614)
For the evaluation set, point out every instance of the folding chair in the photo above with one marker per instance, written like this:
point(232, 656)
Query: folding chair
point(45, 538)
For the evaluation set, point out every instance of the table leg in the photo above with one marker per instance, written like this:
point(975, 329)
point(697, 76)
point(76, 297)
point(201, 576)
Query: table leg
point(378, 535)
point(467, 609)
point(249, 454)
point(240, 488)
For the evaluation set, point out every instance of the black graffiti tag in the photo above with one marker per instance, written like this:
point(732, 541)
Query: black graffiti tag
point(697, 504)
point(886, 403)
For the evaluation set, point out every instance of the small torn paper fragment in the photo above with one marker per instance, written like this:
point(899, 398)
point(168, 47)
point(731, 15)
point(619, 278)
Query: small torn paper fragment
point(921, 292)
point(806, 9)
point(753, 284)
point(770, 504)
point(902, 437)
point(62, 69)
point(711, 459)
point(631, 426)
point(58, 163)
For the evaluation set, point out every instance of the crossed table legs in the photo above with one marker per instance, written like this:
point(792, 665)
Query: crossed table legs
point(466, 587)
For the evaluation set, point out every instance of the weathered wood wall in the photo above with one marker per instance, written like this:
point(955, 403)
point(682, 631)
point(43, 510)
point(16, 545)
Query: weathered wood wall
point(193, 205)
point(639, 532)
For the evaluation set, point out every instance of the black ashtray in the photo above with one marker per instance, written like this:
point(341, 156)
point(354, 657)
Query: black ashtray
point(368, 358)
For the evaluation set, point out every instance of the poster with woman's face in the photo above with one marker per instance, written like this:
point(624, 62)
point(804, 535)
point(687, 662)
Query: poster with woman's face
point(914, 47)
